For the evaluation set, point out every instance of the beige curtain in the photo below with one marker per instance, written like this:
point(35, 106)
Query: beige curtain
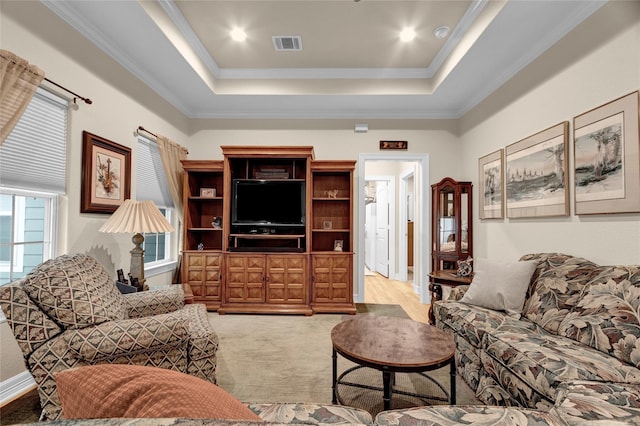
point(18, 82)
point(172, 154)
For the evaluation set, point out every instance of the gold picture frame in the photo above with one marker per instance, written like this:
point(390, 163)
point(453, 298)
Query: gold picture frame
point(106, 174)
point(491, 191)
point(606, 152)
point(207, 192)
point(536, 178)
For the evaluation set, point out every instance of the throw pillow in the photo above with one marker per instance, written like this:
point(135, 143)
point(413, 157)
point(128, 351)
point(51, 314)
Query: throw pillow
point(75, 290)
point(500, 286)
point(133, 391)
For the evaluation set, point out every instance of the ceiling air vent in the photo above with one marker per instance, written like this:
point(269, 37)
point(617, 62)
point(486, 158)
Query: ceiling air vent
point(287, 43)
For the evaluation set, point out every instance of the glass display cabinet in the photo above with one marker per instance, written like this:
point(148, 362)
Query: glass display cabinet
point(451, 230)
point(451, 235)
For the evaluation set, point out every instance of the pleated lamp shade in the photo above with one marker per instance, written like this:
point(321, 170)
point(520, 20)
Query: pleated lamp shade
point(137, 217)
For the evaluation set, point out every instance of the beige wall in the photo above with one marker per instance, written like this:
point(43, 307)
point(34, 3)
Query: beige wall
point(596, 63)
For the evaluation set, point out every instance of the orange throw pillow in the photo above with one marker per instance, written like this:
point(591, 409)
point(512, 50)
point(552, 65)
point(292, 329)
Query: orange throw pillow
point(132, 391)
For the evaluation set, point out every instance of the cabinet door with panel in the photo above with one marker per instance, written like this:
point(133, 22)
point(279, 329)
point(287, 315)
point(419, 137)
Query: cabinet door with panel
point(287, 279)
point(332, 282)
point(245, 278)
point(203, 272)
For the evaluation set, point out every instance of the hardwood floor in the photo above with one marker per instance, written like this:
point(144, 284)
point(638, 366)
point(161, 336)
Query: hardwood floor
point(378, 289)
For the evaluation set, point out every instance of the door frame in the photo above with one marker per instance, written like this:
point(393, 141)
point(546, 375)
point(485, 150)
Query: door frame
point(423, 195)
point(403, 240)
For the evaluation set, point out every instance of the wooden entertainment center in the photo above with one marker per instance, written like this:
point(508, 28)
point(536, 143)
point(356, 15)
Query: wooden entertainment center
point(269, 230)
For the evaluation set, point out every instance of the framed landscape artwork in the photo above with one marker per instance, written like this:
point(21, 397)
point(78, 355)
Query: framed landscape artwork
point(536, 179)
point(491, 194)
point(607, 161)
point(106, 174)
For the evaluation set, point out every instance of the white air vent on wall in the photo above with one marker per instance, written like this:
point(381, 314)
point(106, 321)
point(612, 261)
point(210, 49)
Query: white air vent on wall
point(287, 43)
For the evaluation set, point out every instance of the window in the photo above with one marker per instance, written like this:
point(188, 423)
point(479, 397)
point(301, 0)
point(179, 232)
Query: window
point(32, 174)
point(151, 184)
point(157, 246)
point(25, 233)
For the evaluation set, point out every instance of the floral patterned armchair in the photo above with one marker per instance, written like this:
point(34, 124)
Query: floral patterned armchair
point(67, 313)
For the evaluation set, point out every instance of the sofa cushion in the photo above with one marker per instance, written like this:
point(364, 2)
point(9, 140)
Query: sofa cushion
point(472, 322)
point(555, 287)
point(105, 391)
point(498, 385)
point(584, 402)
point(500, 286)
point(110, 340)
point(307, 413)
point(543, 360)
point(464, 415)
point(607, 315)
point(30, 326)
point(75, 291)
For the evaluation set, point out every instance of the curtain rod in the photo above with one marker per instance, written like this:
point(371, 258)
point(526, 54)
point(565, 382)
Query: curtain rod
point(86, 100)
point(142, 129)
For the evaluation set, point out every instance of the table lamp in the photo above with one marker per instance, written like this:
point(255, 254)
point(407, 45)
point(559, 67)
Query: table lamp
point(137, 217)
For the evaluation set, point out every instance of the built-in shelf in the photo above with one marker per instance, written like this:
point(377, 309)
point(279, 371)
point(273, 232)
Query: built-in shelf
point(276, 269)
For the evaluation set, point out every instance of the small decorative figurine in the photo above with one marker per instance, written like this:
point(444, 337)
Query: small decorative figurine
point(332, 194)
point(200, 246)
point(464, 267)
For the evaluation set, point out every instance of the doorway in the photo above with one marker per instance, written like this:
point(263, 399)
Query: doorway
point(413, 189)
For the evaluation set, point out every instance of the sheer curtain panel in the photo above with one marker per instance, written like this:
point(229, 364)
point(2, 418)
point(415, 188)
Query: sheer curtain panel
point(171, 154)
point(18, 82)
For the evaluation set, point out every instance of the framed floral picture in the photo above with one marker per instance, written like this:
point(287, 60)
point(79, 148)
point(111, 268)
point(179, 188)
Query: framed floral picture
point(536, 178)
point(106, 174)
point(606, 154)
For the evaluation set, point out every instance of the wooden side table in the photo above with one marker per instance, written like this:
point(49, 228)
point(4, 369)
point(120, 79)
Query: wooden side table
point(439, 278)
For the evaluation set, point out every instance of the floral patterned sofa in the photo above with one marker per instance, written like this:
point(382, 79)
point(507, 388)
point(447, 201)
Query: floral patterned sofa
point(579, 403)
point(67, 313)
point(579, 330)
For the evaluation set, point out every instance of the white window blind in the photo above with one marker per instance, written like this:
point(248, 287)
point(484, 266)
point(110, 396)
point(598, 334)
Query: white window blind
point(34, 155)
point(151, 181)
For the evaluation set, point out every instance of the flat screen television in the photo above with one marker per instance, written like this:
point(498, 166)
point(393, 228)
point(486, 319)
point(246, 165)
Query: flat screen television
point(268, 203)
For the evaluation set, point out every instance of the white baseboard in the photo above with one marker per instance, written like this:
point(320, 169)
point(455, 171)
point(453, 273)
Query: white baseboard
point(15, 387)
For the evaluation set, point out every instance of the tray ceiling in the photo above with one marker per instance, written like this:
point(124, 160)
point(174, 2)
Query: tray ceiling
point(351, 64)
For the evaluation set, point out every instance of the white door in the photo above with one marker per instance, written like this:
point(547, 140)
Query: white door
point(382, 228)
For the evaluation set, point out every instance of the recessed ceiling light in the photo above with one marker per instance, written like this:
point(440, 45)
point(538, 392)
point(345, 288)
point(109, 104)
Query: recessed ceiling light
point(238, 34)
point(407, 34)
point(441, 32)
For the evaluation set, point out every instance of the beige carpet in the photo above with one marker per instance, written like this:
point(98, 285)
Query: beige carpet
point(276, 358)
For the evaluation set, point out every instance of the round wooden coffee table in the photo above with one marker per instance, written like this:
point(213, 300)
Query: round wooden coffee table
point(393, 345)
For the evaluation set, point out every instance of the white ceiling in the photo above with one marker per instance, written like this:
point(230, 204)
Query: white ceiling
point(352, 64)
